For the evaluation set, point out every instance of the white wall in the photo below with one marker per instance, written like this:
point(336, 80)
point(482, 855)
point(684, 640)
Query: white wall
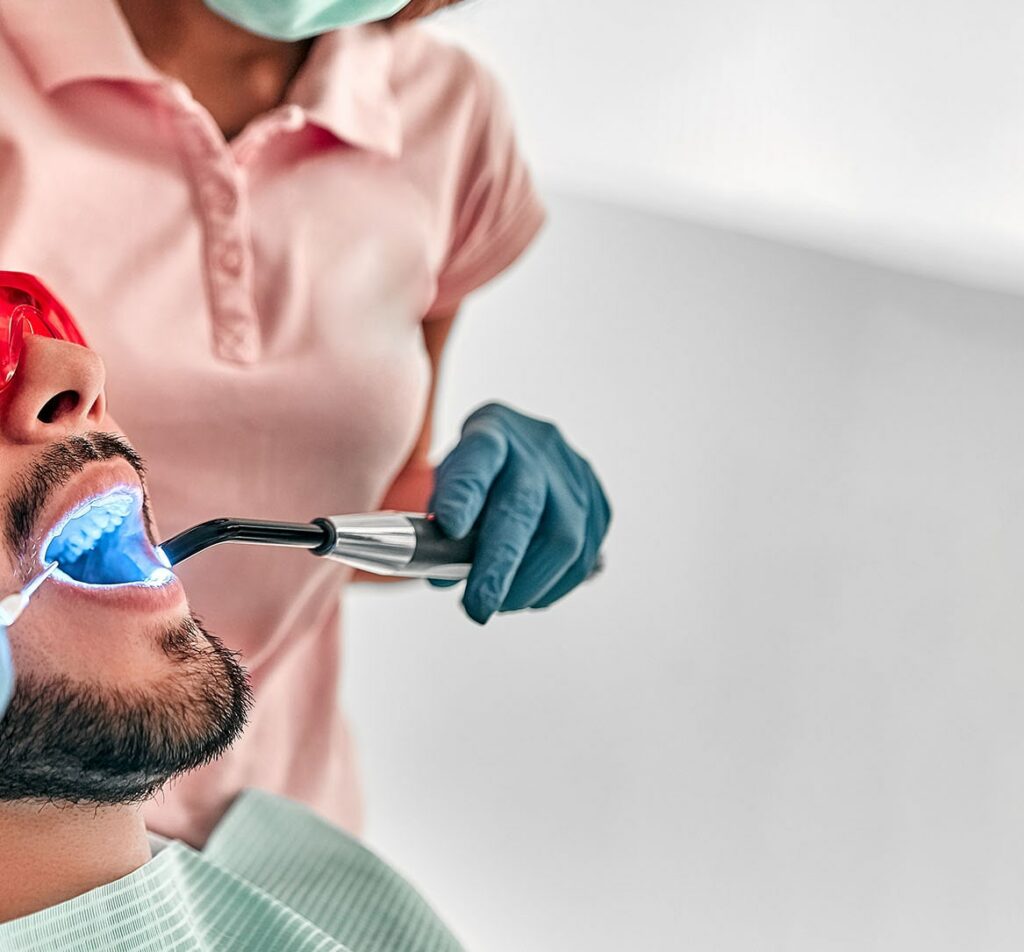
point(889, 130)
point(789, 715)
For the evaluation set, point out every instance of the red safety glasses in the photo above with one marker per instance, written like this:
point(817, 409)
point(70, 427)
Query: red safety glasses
point(27, 307)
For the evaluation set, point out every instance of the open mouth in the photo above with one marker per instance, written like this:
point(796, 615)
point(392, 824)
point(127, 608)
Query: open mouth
point(104, 542)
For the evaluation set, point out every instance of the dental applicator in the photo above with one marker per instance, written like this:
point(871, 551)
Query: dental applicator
point(400, 544)
point(12, 606)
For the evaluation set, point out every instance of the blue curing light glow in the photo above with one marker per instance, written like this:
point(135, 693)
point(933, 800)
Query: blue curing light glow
point(104, 542)
point(162, 557)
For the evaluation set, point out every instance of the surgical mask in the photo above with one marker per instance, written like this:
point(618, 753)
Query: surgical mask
point(300, 19)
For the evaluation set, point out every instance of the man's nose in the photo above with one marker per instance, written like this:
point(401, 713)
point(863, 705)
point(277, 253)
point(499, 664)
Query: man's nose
point(57, 392)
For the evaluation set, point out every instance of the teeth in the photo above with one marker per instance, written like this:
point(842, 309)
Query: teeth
point(124, 559)
point(79, 537)
point(120, 506)
point(83, 534)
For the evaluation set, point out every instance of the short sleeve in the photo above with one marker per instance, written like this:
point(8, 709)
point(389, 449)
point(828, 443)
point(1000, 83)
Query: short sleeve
point(497, 210)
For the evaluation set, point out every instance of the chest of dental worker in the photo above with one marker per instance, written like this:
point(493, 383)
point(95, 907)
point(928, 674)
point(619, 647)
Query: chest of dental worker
point(283, 371)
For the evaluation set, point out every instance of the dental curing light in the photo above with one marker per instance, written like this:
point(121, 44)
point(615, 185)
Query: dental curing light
point(400, 544)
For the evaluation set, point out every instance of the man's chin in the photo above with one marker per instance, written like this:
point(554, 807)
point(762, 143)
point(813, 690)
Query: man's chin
point(80, 742)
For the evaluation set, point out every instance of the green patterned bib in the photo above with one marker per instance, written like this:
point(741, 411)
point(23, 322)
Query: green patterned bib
point(273, 878)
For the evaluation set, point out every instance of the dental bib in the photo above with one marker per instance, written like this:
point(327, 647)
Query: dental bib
point(273, 876)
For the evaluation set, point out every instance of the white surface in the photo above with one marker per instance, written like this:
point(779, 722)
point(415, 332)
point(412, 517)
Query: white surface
point(789, 716)
point(892, 131)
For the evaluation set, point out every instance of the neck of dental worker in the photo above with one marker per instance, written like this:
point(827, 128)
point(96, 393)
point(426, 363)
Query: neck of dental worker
point(234, 74)
point(50, 853)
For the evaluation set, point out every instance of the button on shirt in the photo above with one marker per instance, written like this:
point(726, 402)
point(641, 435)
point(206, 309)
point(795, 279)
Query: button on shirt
point(258, 305)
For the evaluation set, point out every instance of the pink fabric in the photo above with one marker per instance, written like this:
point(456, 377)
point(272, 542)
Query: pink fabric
point(258, 306)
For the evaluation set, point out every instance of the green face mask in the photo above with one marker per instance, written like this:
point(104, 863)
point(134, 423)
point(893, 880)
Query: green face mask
point(300, 19)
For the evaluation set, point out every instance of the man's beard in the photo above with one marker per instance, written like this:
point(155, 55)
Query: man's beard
point(81, 742)
point(76, 742)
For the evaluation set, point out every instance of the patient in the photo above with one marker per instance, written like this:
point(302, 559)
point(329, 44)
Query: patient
point(119, 688)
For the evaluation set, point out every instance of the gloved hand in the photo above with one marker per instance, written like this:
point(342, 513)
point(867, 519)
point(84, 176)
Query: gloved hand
point(6, 671)
point(542, 512)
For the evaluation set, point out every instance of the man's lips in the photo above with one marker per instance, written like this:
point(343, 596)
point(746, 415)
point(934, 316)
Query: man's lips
point(139, 597)
point(97, 479)
point(104, 543)
point(101, 539)
point(160, 592)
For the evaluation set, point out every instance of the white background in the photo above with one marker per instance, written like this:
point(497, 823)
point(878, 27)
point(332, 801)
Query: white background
point(891, 130)
point(788, 716)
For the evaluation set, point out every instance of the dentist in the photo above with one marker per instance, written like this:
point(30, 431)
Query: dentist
point(266, 215)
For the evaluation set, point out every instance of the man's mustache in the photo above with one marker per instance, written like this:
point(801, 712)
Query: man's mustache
point(58, 465)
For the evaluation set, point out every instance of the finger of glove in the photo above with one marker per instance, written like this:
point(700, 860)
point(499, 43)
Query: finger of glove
point(443, 582)
point(553, 551)
point(599, 519)
point(465, 477)
point(574, 576)
point(510, 520)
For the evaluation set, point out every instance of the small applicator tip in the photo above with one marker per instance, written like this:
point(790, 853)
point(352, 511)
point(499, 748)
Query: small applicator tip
point(30, 589)
point(11, 608)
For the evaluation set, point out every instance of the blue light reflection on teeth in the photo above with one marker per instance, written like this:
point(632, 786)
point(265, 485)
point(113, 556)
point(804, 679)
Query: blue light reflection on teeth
point(124, 559)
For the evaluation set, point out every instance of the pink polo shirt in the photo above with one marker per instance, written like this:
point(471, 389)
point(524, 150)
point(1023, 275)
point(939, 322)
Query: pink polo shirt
point(258, 305)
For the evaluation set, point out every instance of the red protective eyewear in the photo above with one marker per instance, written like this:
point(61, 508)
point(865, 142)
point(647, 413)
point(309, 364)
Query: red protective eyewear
point(28, 307)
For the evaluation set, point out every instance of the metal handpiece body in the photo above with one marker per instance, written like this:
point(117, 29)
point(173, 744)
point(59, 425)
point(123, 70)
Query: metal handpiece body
point(400, 544)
